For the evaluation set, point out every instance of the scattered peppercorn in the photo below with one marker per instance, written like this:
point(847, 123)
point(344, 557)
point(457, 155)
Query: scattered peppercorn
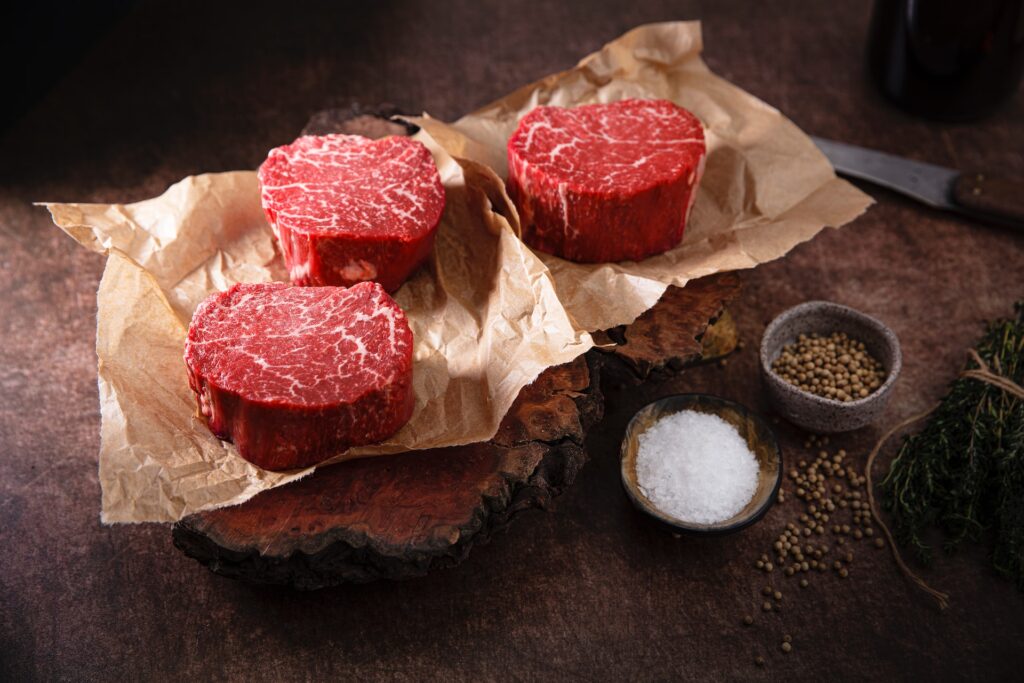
point(748, 620)
point(786, 647)
point(828, 503)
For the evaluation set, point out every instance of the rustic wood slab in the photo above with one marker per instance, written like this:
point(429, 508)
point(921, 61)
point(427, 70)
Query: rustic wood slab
point(401, 516)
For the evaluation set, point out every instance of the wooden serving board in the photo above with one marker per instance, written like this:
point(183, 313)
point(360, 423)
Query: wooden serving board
point(403, 515)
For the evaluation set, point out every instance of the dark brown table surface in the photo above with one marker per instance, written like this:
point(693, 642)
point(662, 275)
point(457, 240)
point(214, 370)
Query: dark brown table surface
point(587, 591)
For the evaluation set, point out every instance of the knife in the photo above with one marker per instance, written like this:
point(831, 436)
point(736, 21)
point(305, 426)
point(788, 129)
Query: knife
point(990, 197)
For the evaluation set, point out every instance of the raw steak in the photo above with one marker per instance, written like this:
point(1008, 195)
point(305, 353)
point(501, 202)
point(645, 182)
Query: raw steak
point(347, 209)
point(294, 375)
point(605, 182)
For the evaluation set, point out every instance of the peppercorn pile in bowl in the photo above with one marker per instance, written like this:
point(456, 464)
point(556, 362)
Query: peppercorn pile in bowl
point(829, 368)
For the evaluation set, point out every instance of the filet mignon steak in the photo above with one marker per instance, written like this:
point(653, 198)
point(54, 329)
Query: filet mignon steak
point(605, 182)
point(349, 209)
point(294, 375)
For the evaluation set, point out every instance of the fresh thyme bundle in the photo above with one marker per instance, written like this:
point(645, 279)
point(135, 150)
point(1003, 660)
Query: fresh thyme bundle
point(964, 472)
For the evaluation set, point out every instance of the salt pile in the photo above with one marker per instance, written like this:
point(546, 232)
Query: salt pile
point(696, 467)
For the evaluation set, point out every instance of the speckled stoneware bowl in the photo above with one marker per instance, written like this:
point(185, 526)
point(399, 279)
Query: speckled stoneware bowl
point(758, 435)
point(815, 413)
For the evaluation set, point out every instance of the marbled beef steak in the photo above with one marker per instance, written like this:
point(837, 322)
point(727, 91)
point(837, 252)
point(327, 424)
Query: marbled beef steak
point(605, 182)
point(294, 375)
point(348, 209)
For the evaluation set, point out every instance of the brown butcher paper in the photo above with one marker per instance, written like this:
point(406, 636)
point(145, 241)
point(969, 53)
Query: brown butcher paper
point(766, 186)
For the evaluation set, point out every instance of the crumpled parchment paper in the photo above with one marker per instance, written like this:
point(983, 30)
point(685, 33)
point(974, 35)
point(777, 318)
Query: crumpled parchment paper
point(766, 186)
point(487, 313)
point(484, 314)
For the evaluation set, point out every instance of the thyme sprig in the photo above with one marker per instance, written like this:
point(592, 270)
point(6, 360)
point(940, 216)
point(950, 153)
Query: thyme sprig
point(964, 471)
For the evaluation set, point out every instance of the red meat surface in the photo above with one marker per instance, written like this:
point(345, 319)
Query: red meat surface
point(605, 182)
point(295, 375)
point(348, 209)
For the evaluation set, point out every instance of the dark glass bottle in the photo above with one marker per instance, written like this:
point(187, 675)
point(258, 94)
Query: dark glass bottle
point(951, 60)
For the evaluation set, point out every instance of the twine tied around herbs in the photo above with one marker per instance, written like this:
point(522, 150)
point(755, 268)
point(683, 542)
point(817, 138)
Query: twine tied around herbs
point(982, 373)
point(985, 374)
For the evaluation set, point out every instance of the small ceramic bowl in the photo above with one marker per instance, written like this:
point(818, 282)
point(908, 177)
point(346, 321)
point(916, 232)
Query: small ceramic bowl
point(753, 429)
point(815, 413)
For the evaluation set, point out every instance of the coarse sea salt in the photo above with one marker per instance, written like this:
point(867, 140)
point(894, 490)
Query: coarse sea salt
point(696, 467)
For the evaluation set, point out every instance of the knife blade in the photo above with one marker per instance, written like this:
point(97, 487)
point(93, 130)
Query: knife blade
point(994, 198)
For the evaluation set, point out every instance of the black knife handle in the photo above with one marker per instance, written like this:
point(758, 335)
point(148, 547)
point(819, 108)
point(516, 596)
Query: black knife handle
point(991, 197)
